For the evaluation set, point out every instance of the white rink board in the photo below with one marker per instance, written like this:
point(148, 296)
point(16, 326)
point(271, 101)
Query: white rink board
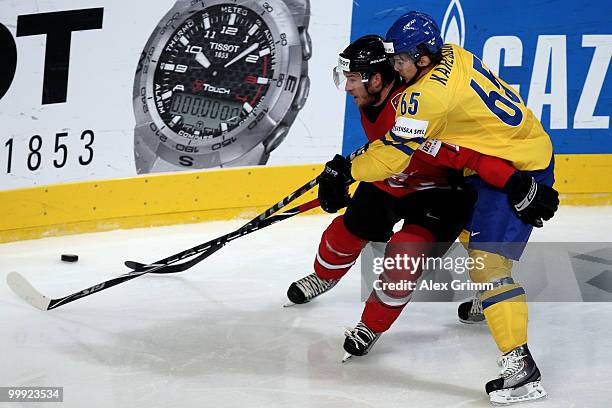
point(217, 335)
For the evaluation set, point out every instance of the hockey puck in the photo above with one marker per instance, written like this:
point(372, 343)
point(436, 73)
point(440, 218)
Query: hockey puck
point(70, 258)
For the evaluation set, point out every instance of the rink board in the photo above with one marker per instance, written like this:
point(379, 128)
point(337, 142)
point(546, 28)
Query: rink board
point(151, 200)
point(167, 199)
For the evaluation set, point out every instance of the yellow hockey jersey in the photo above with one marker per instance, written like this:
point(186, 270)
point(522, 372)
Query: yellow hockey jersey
point(460, 101)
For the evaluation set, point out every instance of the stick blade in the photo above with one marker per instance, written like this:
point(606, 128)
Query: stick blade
point(135, 266)
point(26, 291)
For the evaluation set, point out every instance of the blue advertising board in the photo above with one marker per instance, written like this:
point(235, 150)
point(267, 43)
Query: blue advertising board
point(555, 53)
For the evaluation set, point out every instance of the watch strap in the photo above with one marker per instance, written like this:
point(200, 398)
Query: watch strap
point(259, 154)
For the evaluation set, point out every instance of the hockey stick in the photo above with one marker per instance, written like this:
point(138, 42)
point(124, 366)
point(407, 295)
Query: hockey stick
point(249, 227)
point(180, 267)
point(27, 292)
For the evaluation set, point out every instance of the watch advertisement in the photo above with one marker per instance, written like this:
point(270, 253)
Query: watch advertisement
point(103, 89)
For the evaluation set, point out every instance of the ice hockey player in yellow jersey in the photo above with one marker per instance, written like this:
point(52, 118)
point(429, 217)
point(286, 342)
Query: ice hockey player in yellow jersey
point(452, 96)
point(461, 102)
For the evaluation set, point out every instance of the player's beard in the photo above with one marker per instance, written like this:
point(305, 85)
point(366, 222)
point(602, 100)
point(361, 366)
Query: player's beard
point(364, 101)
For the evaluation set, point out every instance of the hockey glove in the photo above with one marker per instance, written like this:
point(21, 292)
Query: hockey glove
point(333, 184)
point(532, 202)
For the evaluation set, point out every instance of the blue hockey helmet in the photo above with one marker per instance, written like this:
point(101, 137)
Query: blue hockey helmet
point(414, 33)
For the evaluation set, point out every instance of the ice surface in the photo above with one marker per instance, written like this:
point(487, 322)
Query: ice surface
point(218, 336)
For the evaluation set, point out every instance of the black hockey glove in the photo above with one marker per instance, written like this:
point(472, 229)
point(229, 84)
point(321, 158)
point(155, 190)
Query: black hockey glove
point(333, 184)
point(532, 202)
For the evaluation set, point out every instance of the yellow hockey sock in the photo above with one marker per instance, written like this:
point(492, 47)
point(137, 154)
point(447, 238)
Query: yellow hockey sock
point(505, 306)
point(505, 309)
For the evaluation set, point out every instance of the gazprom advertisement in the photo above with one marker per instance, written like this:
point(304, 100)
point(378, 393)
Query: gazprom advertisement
point(556, 54)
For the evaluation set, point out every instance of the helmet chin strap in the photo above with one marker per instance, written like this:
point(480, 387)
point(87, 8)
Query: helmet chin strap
point(418, 72)
point(416, 75)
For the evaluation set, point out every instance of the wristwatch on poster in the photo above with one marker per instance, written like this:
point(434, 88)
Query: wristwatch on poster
point(219, 83)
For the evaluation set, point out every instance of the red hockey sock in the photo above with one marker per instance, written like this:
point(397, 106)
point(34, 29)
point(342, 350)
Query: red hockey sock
point(379, 316)
point(338, 251)
point(384, 306)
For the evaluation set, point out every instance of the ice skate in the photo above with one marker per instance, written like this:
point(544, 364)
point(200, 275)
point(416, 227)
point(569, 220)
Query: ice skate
point(308, 288)
point(518, 381)
point(359, 341)
point(470, 312)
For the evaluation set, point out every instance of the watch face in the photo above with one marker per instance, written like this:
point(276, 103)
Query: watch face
point(213, 71)
point(216, 81)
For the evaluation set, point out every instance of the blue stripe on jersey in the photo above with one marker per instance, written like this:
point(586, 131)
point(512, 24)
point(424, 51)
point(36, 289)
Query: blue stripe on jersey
point(402, 140)
point(407, 150)
point(502, 296)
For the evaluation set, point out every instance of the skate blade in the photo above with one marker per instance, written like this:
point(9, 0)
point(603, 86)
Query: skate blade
point(478, 322)
point(346, 357)
point(528, 392)
point(291, 304)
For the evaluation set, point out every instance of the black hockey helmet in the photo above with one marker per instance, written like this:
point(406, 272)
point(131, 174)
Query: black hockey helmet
point(367, 56)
